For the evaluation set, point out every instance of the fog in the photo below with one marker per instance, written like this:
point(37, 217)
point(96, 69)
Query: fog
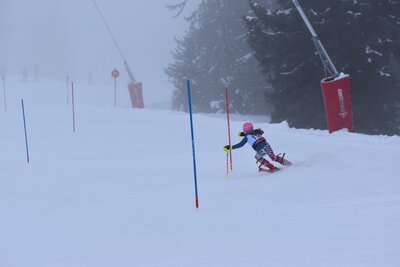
point(55, 38)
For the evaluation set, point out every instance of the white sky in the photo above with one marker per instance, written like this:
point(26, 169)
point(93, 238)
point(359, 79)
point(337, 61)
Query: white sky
point(68, 37)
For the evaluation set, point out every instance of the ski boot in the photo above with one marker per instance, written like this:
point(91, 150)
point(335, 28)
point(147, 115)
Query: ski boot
point(282, 160)
point(266, 163)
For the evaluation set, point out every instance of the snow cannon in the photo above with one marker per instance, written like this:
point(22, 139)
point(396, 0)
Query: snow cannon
point(335, 88)
point(134, 88)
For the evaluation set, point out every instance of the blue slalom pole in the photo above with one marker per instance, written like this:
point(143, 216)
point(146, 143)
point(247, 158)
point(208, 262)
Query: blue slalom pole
point(26, 137)
point(193, 149)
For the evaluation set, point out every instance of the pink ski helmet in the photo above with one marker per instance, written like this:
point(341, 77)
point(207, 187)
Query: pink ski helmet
point(247, 126)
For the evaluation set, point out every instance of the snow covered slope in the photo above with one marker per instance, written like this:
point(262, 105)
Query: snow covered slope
point(119, 191)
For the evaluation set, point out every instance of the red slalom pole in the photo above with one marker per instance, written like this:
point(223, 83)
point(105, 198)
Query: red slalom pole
point(229, 126)
point(73, 106)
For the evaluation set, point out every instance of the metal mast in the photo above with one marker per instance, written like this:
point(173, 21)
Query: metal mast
point(326, 61)
point(130, 74)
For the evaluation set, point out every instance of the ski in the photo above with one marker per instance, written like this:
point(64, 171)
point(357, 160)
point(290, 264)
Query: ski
point(267, 170)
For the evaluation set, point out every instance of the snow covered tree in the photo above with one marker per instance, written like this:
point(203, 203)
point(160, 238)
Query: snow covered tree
point(182, 69)
point(214, 55)
point(363, 39)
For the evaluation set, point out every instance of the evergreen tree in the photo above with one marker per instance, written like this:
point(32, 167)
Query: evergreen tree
point(214, 55)
point(362, 38)
point(182, 69)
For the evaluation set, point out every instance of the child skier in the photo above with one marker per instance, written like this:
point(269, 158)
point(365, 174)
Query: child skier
point(259, 144)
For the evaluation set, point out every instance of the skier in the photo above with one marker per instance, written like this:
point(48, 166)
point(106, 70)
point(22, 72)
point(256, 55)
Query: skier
point(254, 138)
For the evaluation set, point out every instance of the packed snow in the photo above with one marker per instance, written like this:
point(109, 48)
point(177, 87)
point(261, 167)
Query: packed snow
point(120, 190)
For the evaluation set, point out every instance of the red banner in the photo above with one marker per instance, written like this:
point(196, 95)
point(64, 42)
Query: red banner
point(337, 100)
point(135, 91)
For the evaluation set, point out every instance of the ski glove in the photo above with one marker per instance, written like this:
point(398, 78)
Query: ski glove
point(241, 134)
point(227, 148)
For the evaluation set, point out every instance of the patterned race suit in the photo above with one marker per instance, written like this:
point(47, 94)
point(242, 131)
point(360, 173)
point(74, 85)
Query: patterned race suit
point(261, 146)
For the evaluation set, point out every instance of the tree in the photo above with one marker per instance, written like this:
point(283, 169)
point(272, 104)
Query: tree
point(362, 38)
point(214, 55)
point(182, 69)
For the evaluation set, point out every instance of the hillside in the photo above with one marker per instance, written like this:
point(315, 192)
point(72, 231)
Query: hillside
point(119, 191)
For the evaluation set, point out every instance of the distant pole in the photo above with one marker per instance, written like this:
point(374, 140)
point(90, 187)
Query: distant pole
point(115, 92)
point(115, 75)
point(229, 125)
point(193, 148)
point(73, 107)
point(4, 93)
point(26, 136)
point(67, 89)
